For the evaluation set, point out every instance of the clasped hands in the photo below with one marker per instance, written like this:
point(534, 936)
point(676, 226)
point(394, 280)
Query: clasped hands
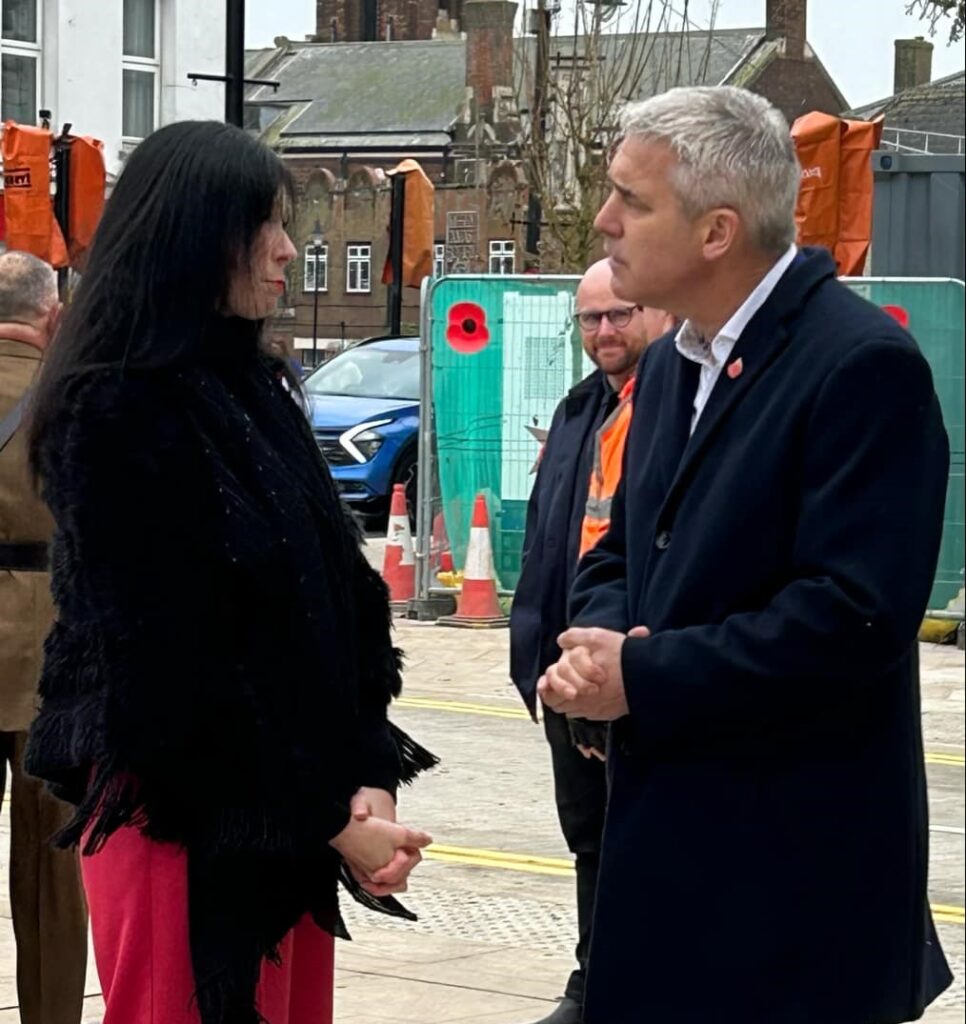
point(587, 681)
point(378, 851)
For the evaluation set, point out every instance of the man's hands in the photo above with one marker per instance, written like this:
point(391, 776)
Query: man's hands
point(379, 853)
point(587, 681)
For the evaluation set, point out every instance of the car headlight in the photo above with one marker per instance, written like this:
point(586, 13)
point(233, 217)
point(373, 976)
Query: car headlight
point(363, 440)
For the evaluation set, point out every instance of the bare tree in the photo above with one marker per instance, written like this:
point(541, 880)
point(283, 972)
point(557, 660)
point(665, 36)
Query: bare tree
point(935, 11)
point(580, 67)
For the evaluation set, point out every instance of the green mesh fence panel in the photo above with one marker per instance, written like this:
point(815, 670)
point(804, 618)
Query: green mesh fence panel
point(505, 351)
point(934, 309)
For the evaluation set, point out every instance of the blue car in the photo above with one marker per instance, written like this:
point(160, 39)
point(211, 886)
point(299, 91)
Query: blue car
point(365, 417)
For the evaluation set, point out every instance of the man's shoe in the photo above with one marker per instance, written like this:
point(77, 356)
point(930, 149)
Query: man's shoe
point(568, 1012)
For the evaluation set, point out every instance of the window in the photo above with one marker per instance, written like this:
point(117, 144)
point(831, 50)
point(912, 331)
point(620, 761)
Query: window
point(503, 257)
point(370, 21)
point(20, 61)
point(141, 66)
point(308, 280)
point(358, 268)
point(439, 259)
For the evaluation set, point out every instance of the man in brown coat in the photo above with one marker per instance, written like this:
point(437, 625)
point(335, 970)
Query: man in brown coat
point(46, 898)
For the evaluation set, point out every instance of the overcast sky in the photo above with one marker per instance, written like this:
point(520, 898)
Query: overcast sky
point(853, 38)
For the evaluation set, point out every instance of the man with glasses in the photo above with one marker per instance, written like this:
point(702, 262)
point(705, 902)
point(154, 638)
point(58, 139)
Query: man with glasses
point(566, 516)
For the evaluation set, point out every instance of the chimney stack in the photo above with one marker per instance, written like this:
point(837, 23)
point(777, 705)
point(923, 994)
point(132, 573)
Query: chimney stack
point(913, 63)
point(488, 25)
point(787, 19)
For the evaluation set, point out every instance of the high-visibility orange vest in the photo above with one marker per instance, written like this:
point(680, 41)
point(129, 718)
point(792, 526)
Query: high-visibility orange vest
point(606, 472)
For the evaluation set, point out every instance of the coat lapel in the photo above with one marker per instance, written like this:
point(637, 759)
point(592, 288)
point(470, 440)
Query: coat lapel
point(681, 385)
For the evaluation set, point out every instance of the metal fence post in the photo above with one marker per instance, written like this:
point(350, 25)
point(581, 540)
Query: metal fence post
point(421, 606)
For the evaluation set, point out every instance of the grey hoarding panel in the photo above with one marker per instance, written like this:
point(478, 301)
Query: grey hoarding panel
point(919, 215)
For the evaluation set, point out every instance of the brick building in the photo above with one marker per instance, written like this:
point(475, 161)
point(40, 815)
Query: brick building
point(339, 21)
point(381, 80)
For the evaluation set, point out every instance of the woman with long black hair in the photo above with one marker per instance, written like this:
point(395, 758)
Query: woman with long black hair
point(216, 685)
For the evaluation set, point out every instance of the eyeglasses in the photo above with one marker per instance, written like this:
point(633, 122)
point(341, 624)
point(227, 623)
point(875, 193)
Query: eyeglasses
point(590, 319)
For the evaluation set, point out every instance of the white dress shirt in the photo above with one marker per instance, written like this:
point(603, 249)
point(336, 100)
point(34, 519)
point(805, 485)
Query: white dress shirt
point(714, 354)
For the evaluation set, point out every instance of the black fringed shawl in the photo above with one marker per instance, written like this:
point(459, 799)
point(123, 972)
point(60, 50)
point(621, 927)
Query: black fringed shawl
point(221, 665)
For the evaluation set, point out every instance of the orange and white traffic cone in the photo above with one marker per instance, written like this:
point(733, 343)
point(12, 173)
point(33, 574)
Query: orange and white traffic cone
point(440, 554)
point(399, 561)
point(478, 606)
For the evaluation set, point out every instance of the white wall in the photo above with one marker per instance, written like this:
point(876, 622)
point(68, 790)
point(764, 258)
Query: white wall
point(81, 72)
point(193, 34)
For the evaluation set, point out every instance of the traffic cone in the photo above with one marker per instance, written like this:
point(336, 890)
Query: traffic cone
point(441, 554)
point(478, 605)
point(399, 561)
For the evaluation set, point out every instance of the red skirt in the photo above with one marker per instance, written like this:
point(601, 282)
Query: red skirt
point(137, 890)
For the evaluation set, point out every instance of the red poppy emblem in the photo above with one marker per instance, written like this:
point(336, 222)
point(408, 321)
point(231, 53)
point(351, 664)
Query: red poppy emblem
point(466, 330)
point(898, 314)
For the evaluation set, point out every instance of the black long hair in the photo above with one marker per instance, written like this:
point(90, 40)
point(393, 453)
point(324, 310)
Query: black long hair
point(183, 216)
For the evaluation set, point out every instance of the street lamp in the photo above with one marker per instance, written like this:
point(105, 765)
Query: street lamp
point(316, 255)
point(540, 23)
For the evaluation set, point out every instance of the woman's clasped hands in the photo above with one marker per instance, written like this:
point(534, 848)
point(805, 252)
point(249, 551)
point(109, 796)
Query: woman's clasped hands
point(378, 851)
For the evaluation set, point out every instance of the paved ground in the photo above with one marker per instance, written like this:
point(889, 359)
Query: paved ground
point(495, 901)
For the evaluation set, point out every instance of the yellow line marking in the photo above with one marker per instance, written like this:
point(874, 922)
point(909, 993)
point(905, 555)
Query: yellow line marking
point(496, 859)
point(954, 759)
point(504, 859)
point(561, 867)
point(949, 915)
point(460, 707)
point(500, 711)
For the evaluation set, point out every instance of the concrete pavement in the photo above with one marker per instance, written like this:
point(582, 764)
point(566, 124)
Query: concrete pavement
point(496, 898)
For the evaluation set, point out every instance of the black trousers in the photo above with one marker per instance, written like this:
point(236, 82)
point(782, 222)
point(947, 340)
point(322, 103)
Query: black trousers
point(580, 787)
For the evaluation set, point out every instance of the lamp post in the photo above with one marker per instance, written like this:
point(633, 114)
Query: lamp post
point(316, 255)
point(540, 26)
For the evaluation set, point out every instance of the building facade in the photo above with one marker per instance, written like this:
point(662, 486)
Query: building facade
point(114, 69)
point(440, 81)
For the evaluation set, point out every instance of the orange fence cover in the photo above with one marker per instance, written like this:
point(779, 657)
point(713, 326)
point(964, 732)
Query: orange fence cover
point(88, 179)
point(835, 197)
point(30, 223)
point(859, 140)
point(418, 226)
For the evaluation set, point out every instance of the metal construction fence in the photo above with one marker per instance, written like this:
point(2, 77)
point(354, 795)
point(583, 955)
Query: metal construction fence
point(934, 310)
point(499, 352)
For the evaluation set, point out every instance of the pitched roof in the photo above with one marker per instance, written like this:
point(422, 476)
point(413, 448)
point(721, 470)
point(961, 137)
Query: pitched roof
point(935, 107)
point(369, 95)
point(671, 58)
point(410, 88)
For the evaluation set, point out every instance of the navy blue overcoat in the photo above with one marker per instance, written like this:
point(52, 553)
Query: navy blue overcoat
point(765, 852)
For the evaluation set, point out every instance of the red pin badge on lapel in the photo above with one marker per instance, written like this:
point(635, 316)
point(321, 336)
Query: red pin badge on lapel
point(735, 368)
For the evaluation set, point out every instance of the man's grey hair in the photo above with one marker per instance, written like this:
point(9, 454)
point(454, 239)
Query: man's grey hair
point(734, 149)
point(28, 288)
